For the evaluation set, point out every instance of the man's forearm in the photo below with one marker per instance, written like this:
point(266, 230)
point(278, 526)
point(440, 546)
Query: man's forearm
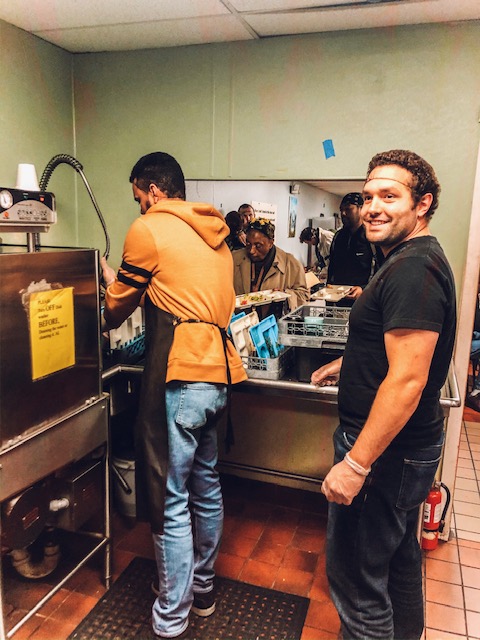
point(393, 406)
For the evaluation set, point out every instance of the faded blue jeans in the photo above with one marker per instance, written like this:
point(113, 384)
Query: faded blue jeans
point(187, 549)
point(374, 562)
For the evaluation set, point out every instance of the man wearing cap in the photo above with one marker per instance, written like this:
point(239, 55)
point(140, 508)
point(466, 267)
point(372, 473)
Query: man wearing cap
point(262, 265)
point(351, 256)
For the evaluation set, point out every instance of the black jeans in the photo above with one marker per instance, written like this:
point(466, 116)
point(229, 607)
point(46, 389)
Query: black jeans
point(374, 562)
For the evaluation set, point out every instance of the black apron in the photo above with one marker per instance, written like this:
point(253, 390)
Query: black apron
point(151, 434)
point(151, 431)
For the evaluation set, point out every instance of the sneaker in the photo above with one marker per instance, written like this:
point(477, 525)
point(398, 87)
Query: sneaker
point(184, 635)
point(204, 604)
point(473, 400)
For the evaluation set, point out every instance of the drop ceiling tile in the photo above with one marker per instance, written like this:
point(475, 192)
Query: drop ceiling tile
point(40, 15)
point(365, 17)
point(148, 35)
point(275, 6)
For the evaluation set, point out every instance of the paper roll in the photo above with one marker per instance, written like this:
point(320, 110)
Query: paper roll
point(27, 178)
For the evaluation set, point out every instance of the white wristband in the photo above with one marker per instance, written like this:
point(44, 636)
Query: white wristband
point(356, 467)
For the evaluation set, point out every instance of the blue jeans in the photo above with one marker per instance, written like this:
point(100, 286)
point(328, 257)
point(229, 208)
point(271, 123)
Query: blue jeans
point(185, 558)
point(374, 562)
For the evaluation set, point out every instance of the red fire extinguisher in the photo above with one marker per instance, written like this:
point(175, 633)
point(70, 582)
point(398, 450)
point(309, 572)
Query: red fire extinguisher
point(433, 516)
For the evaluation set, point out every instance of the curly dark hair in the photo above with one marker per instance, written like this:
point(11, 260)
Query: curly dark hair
point(424, 179)
point(234, 221)
point(307, 234)
point(161, 169)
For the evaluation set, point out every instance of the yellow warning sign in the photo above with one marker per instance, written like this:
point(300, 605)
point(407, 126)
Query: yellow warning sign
point(52, 331)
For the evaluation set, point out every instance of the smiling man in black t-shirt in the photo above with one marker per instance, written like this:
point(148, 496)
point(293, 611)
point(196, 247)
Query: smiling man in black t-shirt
point(389, 442)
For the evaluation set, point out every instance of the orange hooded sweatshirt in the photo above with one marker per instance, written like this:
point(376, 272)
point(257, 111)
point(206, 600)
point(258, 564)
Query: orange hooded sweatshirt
point(176, 254)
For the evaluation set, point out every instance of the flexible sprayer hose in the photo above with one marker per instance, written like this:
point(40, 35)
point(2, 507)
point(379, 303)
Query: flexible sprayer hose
point(64, 158)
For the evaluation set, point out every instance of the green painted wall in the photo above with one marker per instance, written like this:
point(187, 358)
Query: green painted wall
point(260, 110)
point(253, 110)
point(36, 122)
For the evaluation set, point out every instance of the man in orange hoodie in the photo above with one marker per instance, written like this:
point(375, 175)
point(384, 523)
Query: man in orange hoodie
point(176, 257)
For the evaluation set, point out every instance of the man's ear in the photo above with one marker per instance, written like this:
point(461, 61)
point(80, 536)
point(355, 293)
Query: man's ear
point(424, 205)
point(156, 193)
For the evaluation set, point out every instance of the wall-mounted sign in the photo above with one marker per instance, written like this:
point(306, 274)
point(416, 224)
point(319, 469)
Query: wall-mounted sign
point(265, 210)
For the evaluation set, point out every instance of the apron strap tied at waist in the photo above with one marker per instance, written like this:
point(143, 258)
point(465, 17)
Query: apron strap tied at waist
point(229, 438)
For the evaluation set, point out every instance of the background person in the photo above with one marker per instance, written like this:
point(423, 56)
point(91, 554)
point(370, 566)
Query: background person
point(248, 214)
point(188, 306)
point(473, 398)
point(320, 240)
point(389, 441)
point(351, 255)
point(262, 265)
point(236, 239)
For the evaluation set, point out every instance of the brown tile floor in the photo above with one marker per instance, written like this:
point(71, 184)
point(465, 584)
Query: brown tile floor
point(452, 571)
point(275, 537)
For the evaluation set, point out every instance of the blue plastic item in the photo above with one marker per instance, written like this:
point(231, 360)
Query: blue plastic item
point(235, 316)
point(265, 337)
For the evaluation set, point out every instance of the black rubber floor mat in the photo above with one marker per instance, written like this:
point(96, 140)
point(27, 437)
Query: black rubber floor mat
point(243, 611)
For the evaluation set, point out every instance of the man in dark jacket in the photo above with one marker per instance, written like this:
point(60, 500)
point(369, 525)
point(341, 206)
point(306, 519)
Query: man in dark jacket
point(351, 256)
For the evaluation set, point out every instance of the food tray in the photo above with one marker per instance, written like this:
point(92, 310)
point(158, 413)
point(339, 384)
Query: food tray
point(259, 298)
point(269, 368)
point(264, 336)
point(314, 326)
point(239, 330)
point(236, 316)
point(332, 292)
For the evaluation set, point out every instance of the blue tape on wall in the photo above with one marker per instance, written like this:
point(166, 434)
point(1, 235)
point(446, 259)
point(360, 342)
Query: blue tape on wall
point(328, 149)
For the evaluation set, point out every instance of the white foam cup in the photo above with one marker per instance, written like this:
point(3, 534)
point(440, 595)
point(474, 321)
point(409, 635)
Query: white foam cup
point(27, 178)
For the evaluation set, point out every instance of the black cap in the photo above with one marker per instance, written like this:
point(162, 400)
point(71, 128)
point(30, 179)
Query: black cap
point(352, 198)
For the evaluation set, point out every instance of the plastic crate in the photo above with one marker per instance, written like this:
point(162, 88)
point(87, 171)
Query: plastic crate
point(308, 359)
point(269, 368)
point(314, 326)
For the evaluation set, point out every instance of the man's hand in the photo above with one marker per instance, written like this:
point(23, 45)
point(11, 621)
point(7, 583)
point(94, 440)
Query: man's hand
point(342, 484)
point(354, 293)
point(108, 273)
point(327, 375)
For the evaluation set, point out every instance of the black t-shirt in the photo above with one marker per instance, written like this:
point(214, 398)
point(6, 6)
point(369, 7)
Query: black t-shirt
point(414, 289)
point(350, 258)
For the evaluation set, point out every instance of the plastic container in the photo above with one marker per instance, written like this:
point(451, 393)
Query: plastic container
point(124, 501)
point(265, 337)
point(236, 316)
point(314, 326)
point(270, 368)
point(240, 333)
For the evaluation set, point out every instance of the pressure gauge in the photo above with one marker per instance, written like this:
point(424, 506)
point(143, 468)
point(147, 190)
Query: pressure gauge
point(6, 199)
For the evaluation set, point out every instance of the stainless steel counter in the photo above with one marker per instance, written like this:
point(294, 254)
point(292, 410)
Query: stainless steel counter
point(283, 428)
